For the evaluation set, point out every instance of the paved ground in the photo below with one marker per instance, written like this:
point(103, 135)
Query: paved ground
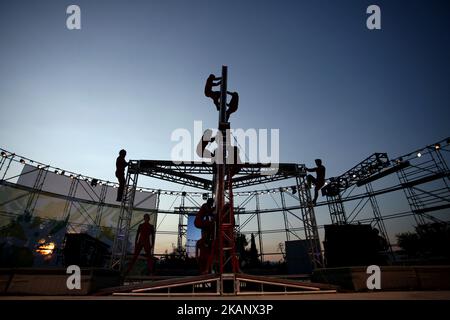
point(395, 295)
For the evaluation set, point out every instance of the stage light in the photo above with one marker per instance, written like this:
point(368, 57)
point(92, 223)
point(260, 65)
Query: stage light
point(354, 176)
point(437, 146)
point(39, 166)
point(22, 161)
point(419, 154)
point(94, 182)
point(56, 171)
point(3, 154)
point(63, 172)
point(72, 176)
point(294, 190)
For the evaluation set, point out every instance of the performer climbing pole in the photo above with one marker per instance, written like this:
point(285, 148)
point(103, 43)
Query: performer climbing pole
point(223, 255)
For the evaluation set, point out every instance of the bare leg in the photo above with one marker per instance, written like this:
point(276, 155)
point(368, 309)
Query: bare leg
point(148, 252)
point(316, 195)
point(121, 188)
point(137, 250)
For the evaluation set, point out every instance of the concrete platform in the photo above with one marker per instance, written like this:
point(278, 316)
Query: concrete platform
point(391, 295)
point(392, 277)
point(30, 281)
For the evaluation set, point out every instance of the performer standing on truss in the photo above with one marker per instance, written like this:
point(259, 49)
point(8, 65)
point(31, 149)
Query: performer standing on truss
point(121, 164)
point(145, 236)
point(318, 181)
point(214, 95)
point(233, 105)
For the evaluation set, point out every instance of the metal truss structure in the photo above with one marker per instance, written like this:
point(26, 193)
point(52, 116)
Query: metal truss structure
point(423, 174)
point(187, 173)
point(426, 167)
point(223, 259)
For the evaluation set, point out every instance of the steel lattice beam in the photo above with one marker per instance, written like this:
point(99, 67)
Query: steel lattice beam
point(183, 173)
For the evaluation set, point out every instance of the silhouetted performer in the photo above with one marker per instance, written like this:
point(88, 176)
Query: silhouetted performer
point(233, 105)
point(204, 220)
point(121, 164)
point(207, 138)
point(204, 217)
point(145, 237)
point(318, 181)
point(215, 95)
point(202, 254)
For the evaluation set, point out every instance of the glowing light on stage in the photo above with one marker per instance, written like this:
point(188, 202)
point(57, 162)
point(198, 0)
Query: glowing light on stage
point(419, 155)
point(437, 146)
point(22, 161)
point(45, 248)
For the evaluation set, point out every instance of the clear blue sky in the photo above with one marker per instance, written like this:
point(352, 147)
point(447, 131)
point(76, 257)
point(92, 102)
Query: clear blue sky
point(136, 71)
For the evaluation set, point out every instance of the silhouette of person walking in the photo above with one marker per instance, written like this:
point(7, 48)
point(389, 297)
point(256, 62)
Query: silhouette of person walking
point(233, 105)
point(144, 240)
point(214, 95)
point(121, 164)
point(318, 181)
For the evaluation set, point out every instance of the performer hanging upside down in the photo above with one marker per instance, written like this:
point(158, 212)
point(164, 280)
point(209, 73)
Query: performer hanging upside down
point(319, 181)
point(204, 220)
point(214, 95)
point(121, 164)
point(207, 138)
point(145, 237)
point(233, 105)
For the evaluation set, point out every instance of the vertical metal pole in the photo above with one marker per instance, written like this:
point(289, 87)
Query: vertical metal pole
point(220, 172)
point(158, 195)
point(258, 219)
point(223, 95)
point(220, 175)
point(285, 217)
point(181, 224)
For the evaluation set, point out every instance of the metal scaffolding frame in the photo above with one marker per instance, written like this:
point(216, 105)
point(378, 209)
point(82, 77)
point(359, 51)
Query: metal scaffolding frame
point(309, 223)
point(430, 168)
point(120, 245)
point(182, 226)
